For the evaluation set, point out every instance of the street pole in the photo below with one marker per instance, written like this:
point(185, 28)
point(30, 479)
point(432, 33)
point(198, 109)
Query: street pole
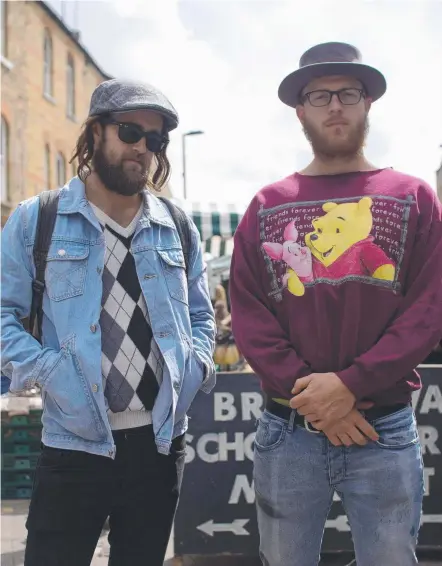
point(192, 133)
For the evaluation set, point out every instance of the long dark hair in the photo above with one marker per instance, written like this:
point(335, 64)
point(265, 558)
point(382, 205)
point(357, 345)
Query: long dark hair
point(84, 152)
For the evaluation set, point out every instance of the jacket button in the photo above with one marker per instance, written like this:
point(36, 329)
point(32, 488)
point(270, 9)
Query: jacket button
point(99, 270)
point(95, 388)
point(93, 328)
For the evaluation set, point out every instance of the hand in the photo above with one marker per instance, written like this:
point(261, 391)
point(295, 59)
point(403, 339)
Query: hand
point(352, 429)
point(322, 398)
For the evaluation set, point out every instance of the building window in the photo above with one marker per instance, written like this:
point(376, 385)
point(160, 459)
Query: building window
point(48, 65)
point(47, 168)
point(61, 170)
point(70, 85)
point(4, 17)
point(74, 169)
point(5, 160)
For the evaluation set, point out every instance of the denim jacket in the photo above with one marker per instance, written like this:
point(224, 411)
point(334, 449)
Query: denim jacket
point(67, 366)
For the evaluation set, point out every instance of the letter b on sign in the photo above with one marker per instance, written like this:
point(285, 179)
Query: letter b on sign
point(224, 407)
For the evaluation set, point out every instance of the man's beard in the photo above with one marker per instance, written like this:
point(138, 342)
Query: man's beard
point(328, 148)
point(114, 177)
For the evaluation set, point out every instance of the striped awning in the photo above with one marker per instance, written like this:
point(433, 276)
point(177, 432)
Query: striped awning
point(218, 247)
point(214, 219)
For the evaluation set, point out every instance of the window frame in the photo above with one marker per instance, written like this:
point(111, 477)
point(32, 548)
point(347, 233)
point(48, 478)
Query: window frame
point(5, 160)
point(48, 65)
point(60, 167)
point(47, 167)
point(74, 168)
point(70, 87)
point(4, 29)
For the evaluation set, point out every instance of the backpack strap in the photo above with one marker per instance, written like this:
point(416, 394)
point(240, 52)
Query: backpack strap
point(47, 214)
point(183, 227)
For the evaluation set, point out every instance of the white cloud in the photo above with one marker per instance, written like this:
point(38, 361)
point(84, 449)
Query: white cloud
point(220, 63)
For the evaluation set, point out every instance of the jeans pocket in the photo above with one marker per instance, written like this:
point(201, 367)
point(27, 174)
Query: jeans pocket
point(179, 445)
point(397, 431)
point(54, 457)
point(270, 433)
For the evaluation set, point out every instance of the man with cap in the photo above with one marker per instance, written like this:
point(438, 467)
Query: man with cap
point(336, 294)
point(127, 339)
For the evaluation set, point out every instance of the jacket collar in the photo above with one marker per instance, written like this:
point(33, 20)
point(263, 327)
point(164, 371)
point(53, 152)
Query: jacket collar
point(73, 200)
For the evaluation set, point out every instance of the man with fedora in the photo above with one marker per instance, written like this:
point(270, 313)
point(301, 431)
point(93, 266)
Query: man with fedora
point(127, 332)
point(336, 293)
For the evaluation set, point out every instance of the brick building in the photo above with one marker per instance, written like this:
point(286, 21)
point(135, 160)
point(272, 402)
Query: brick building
point(47, 79)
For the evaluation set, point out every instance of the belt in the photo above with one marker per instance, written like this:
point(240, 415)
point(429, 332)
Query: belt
point(372, 414)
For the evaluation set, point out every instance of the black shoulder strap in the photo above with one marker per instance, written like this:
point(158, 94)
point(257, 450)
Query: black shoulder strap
point(183, 228)
point(47, 214)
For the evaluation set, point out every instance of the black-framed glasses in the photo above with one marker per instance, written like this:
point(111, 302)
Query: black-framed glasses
point(346, 96)
point(131, 133)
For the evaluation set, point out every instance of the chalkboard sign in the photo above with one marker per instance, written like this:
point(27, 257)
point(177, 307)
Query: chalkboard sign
point(217, 507)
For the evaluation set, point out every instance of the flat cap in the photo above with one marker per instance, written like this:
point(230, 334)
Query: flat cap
point(117, 95)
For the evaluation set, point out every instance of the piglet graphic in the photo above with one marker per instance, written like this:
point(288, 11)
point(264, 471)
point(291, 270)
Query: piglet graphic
point(297, 257)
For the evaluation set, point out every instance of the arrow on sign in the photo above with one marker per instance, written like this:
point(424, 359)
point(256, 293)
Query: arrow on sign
point(340, 523)
point(431, 519)
point(237, 527)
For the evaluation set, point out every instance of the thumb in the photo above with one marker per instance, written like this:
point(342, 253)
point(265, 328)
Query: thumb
point(301, 384)
point(364, 405)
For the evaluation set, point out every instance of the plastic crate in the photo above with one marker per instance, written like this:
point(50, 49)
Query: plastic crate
point(21, 435)
point(17, 478)
point(20, 461)
point(33, 418)
point(16, 492)
point(20, 448)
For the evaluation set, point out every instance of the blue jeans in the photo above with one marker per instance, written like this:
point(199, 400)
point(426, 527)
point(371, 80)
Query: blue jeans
point(381, 487)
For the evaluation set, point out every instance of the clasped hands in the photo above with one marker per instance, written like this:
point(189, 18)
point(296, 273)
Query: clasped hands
point(326, 403)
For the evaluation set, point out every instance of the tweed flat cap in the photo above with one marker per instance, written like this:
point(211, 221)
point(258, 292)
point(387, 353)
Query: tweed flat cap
point(117, 95)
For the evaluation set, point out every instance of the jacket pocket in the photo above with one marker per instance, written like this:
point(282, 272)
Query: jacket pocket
point(66, 269)
point(173, 266)
point(192, 381)
point(69, 403)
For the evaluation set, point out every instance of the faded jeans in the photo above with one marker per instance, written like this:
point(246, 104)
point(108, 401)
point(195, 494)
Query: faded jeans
point(381, 487)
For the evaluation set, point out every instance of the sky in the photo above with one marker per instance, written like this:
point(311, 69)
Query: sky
point(220, 63)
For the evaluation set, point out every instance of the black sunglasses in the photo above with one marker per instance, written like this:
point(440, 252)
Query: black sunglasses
point(132, 133)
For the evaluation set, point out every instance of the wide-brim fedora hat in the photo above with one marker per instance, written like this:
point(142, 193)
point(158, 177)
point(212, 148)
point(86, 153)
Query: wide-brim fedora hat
point(329, 59)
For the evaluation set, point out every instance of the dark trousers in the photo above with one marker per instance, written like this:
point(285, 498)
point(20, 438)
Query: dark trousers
point(74, 493)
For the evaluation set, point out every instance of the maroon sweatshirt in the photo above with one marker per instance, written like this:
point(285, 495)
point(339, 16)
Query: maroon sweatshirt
point(340, 274)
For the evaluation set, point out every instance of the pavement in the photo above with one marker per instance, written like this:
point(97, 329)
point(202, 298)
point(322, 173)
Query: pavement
point(13, 537)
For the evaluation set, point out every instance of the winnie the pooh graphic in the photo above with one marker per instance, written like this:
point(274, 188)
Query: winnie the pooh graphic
point(341, 244)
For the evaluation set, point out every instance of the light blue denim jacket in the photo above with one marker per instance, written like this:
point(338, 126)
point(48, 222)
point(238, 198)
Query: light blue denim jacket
point(67, 367)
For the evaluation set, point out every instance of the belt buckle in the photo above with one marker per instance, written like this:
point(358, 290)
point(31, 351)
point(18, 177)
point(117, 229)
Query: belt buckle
point(307, 427)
